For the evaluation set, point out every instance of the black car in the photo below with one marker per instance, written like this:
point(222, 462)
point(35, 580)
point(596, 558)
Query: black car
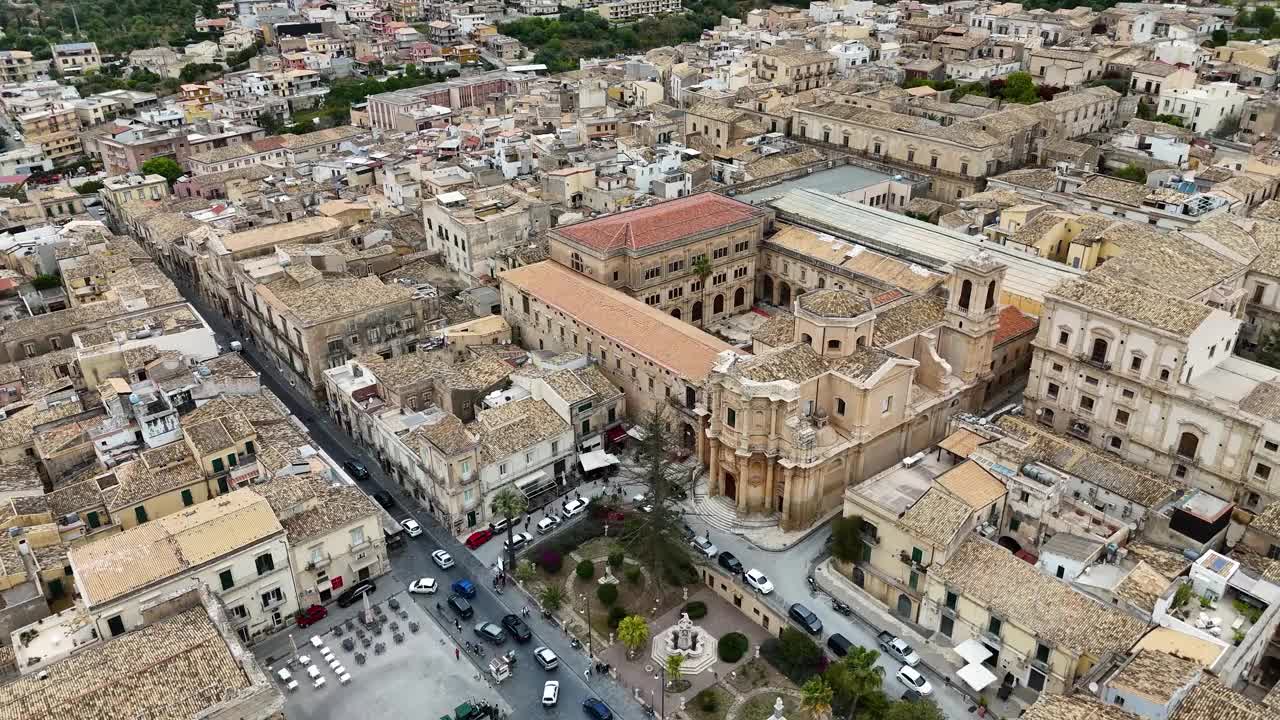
point(596, 709)
point(384, 499)
point(516, 627)
point(730, 563)
point(356, 470)
point(353, 594)
point(840, 645)
point(460, 605)
point(911, 695)
point(806, 619)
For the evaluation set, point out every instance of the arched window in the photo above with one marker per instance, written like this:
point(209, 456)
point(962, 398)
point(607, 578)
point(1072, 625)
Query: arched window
point(991, 294)
point(1099, 352)
point(1188, 444)
point(717, 305)
point(806, 338)
point(675, 313)
point(739, 297)
point(862, 342)
point(966, 289)
point(833, 344)
point(840, 406)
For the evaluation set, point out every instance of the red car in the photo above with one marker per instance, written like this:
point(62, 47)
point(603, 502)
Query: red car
point(312, 615)
point(478, 538)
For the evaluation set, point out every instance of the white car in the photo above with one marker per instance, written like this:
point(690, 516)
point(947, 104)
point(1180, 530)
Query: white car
point(576, 507)
point(547, 524)
point(517, 541)
point(411, 526)
point(546, 658)
point(443, 559)
point(424, 586)
point(757, 580)
point(550, 693)
point(912, 678)
point(705, 546)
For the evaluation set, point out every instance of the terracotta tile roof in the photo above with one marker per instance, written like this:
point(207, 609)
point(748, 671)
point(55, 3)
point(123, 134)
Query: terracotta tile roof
point(668, 342)
point(1044, 606)
point(936, 517)
point(1212, 700)
point(972, 484)
point(777, 330)
point(1142, 586)
point(907, 318)
point(660, 223)
point(157, 551)
point(962, 442)
point(834, 303)
point(1013, 323)
point(1074, 707)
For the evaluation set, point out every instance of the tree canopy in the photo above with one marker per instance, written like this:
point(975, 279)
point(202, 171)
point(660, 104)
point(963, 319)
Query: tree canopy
point(164, 166)
point(115, 25)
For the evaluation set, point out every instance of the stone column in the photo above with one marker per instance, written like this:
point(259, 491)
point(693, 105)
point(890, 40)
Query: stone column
point(744, 486)
point(713, 484)
point(768, 484)
point(789, 492)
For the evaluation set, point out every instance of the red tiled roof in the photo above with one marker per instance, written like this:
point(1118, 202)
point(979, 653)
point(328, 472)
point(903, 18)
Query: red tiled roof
point(1013, 323)
point(887, 296)
point(274, 142)
point(660, 223)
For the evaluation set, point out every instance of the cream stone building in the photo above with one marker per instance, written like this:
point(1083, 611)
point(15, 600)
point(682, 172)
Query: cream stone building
point(852, 386)
point(655, 359)
point(652, 254)
point(799, 69)
point(234, 545)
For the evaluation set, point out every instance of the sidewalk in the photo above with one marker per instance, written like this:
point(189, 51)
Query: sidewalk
point(935, 656)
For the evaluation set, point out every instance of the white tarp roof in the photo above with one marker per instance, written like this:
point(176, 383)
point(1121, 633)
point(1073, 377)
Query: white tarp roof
point(976, 676)
point(596, 459)
point(973, 651)
point(636, 432)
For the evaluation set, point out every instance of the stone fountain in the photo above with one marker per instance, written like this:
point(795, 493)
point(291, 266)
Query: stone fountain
point(684, 638)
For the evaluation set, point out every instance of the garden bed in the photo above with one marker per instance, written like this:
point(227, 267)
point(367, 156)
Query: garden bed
point(757, 673)
point(696, 708)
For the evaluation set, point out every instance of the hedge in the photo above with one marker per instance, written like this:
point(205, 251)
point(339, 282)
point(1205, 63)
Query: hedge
point(607, 593)
point(732, 647)
point(696, 610)
point(586, 570)
point(616, 614)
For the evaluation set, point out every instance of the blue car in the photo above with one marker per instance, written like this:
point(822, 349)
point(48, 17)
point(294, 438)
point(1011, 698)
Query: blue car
point(465, 588)
point(596, 709)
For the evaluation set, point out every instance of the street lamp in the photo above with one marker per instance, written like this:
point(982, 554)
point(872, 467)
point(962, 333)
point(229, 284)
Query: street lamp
point(662, 691)
point(590, 651)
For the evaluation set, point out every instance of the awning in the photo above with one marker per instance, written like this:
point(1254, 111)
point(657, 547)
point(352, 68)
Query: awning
point(973, 651)
point(616, 433)
point(962, 442)
point(596, 459)
point(636, 432)
point(591, 443)
point(976, 676)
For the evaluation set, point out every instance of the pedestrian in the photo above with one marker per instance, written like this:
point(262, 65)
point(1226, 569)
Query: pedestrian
point(587, 673)
point(457, 654)
point(579, 494)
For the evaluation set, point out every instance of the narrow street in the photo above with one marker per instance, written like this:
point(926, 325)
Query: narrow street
point(524, 690)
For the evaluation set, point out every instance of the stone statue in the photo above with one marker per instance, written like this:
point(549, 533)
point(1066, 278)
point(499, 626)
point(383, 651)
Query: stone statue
point(777, 710)
point(684, 632)
point(684, 591)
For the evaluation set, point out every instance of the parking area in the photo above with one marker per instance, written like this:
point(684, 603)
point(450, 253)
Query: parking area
point(415, 677)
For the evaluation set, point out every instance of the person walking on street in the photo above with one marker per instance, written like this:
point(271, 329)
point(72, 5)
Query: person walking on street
point(457, 654)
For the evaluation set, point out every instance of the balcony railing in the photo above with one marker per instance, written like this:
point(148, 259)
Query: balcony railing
point(870, 539)
point(319, 562)
point(1099, 363)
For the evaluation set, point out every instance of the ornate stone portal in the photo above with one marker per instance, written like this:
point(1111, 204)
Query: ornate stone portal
point(684, 638)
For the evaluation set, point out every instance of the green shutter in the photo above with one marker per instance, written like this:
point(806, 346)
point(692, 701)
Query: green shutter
point(217, 465)
point(248, 447)
point(916, 555)
point(187, 500)
point(227, 581)
point(231, 460)
point(223, 487)
point(140, 513)
point(93, 520)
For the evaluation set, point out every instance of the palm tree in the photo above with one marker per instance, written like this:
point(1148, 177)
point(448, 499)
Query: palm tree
point(510, 504)
point(674, 663)
point(633, 631)
point(856, 677)
point(815, 698)
point(551, 597)
point(702, 268)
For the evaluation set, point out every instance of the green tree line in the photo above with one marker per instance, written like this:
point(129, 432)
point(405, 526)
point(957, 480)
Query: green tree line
point(115, 25)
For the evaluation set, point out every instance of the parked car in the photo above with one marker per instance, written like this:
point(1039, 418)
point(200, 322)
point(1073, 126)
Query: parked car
point(384, 499)
point(910, 695)
point(424, 586)
point(757, 580)
point(352, 594)
point(442, 558)
point(517, 541)
point(460, 605)
point(491, 632)
point(356, 470)
point(897, 648)
point(500, 526)
point(548, 523)
point(312, 615)
point(478, 538)
point(596, 709)
point(575, 507)
point(805, 618)
point(730, 562)
point(546, 658)
point(464, 587)
point(912, 678)
point(705, 546)
point(514, 625)
point(411, 526)
point(839, 644)
point(550, 693)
